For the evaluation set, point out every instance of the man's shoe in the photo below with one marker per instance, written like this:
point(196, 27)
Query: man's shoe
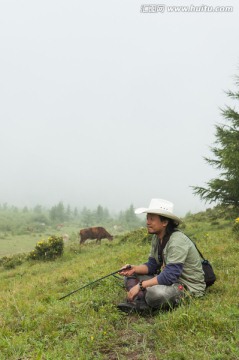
point(126, 307)
point(138, 306)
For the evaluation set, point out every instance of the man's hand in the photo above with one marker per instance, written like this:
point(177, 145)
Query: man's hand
point(127, 270)
point(133, 292)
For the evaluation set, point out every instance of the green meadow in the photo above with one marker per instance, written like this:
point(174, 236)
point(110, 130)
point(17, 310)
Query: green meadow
point(35, 324)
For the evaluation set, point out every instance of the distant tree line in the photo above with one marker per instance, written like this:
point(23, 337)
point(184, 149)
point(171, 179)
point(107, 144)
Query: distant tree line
point(37, 218)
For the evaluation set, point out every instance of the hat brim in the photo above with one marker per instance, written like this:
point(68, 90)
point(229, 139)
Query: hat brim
point(158, 212)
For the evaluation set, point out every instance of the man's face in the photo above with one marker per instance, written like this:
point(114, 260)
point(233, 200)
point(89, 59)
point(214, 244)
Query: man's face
point(155, 225)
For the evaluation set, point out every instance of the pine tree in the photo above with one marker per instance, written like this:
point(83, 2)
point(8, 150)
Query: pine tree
point(225, 190)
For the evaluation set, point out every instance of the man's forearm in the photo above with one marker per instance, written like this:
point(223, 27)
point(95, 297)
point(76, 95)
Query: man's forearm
point(141, 269)
point(148, 283)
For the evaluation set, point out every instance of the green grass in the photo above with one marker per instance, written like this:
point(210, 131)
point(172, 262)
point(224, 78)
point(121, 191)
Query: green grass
point(35, 324)
point(15, 244)
point(11, 243)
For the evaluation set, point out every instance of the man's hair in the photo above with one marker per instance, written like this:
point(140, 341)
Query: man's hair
point(171, 227)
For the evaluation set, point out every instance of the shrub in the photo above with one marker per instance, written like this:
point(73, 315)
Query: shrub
point(10, 262)
point(48, 249)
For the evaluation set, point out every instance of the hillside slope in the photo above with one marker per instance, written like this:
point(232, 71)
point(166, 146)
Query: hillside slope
point(34, 324)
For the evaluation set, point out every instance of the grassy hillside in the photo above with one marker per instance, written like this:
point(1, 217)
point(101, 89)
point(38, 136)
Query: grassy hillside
point(34, 324)
point(11, 243)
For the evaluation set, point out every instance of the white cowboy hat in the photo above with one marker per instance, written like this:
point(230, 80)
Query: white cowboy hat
point(159, 207)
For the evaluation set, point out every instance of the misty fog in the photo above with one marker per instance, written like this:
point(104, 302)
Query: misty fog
point(103, 104)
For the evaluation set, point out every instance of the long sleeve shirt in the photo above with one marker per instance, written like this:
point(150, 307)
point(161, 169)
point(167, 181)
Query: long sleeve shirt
point(170, 273)
point(182, 263)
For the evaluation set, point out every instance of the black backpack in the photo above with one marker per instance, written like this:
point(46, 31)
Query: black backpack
point(209, 274)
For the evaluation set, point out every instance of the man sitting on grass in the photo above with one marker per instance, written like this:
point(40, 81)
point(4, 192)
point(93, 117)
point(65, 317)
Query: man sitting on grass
point(173, 268)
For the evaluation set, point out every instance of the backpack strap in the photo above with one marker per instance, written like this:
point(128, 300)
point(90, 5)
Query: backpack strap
point(195, 246)
point(198, 250)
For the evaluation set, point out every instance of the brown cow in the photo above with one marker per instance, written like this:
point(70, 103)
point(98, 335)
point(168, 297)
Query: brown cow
point(92, 233)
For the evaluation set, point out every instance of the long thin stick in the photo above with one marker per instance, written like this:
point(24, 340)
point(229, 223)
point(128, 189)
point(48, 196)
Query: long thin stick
point(92, 282)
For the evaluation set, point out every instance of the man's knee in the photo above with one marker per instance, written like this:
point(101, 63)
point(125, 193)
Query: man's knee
point(159, 295)
point(155, 296)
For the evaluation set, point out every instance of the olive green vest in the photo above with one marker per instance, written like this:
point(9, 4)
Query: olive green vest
point(180, 249)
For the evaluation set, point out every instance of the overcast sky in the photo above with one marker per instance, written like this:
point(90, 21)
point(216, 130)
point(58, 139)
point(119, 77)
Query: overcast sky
point(102, 103)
